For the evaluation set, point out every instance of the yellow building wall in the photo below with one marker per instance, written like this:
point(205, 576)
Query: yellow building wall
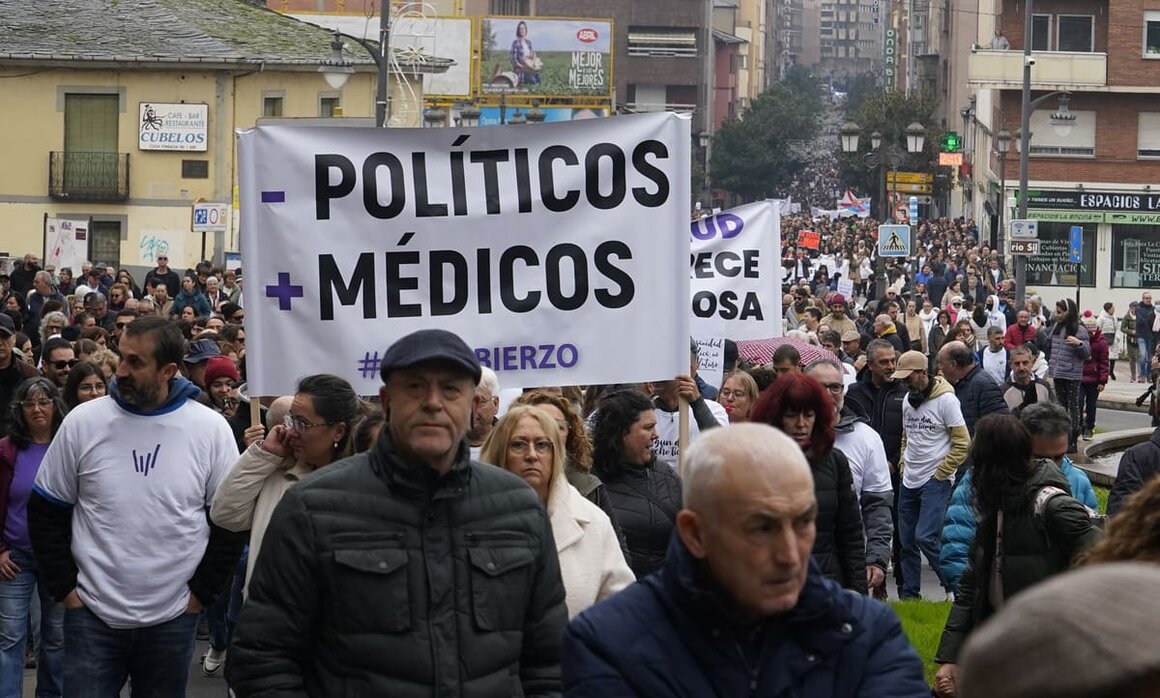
point(159, 199)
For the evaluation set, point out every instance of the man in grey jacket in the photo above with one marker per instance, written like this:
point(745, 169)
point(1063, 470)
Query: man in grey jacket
point(863, 449)
point(409, 570)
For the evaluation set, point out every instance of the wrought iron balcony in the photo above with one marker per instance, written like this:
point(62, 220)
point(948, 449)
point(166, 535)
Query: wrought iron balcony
point(84, 176)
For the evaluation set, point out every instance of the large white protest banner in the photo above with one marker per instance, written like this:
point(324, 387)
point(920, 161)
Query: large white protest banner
point(548, 248)
point(736, 270)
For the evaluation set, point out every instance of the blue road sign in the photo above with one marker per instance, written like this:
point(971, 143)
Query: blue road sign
point(894, 240)
point(1075, 248)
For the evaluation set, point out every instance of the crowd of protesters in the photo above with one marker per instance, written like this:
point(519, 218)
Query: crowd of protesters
point(447, 536)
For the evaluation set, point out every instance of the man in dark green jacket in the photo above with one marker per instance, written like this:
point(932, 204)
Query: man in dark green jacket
point(410, 570)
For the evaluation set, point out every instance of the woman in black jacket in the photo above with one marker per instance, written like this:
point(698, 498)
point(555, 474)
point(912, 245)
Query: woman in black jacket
point(1027, 520)
point(800, 406)
point(646, 496)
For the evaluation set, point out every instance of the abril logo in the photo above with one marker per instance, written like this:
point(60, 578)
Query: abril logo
point(146, 461)
point(587, 35)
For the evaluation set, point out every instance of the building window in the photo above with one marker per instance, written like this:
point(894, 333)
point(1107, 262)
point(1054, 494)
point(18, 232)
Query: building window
point(105, 242)
point(272, 106)
point(1080, 142)
point(1152, 34)
point(1076, 33)
point(647, 97)
point(1135, 256)
point(1051, 266)
point(1041, 33)
point(514, 8)
point(1148, 135)
point(654, 42)
point(329, 107)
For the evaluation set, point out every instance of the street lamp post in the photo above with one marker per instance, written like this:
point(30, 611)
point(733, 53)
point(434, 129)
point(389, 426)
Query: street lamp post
point(1002, 147)
point(883, 154)
point(340, 70)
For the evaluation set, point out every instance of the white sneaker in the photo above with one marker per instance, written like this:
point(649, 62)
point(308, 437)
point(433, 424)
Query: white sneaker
point(211, 663)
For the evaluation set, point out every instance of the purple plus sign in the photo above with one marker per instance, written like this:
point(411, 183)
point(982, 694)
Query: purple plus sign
point(284, 291)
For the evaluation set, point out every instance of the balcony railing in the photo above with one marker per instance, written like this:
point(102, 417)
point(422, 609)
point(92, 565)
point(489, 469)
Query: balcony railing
point(1052, 70)
point(84, 176)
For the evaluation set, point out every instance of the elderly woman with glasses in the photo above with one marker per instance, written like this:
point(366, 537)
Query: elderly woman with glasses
point(35, 414)
point(527, 442)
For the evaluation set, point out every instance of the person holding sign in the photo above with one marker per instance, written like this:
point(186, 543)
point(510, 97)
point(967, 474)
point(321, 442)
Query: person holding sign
point(409, 569)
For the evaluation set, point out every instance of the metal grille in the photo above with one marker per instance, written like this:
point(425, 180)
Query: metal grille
point(84, 176)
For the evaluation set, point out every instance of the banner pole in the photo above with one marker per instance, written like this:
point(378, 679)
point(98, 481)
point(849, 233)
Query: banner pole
point(682, 435)
point(255, 411)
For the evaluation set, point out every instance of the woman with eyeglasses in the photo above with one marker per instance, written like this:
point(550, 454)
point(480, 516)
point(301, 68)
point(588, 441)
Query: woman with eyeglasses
point(85, 382)
point(801, 407)
point(316, 432)
point(645, 494)
point(738, 395)
point(35, 414)
point(527, 442)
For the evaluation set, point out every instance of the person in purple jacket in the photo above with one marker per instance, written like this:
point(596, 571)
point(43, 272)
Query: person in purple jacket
point(35, 415)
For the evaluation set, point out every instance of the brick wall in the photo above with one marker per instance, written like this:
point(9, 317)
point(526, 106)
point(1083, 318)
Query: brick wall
point(643, 13)
point(1116, 140)
point(1119, 32)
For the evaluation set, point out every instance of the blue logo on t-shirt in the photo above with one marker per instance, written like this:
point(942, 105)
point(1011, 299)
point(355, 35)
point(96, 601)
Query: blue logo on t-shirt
point(146, 461)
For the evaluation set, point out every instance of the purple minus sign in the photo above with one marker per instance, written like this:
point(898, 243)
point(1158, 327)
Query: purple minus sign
point(273, 197)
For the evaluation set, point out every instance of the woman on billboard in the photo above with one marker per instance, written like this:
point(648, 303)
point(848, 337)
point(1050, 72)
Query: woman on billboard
point(525, 63)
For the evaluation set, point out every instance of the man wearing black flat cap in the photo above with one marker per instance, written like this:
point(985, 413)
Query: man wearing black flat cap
point(409, 569)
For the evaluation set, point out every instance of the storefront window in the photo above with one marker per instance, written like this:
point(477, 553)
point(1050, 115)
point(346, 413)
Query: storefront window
point(1135, 256)
point(1051, 266)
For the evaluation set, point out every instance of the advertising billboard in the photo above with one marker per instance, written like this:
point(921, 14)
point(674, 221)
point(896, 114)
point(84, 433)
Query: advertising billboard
point(547, 57)
point(442, 37)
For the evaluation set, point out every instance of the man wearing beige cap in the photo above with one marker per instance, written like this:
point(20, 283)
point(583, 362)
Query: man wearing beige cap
point(852, 348)
point(934, 443)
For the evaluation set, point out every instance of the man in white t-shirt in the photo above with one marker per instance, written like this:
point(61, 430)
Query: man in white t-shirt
point(863, 448)
point(934, 443)
point(119, 524)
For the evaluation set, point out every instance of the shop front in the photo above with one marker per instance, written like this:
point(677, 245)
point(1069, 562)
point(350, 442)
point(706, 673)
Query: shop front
point(1120, 255)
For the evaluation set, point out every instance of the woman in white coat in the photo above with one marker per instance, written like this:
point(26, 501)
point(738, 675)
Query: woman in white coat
point(526, 442)
point(317, 431)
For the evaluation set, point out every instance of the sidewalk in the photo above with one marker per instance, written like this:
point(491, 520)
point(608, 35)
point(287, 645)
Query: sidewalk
point(1120, 394)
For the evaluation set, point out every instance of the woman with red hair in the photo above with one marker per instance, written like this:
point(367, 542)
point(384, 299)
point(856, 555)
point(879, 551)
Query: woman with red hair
point(800, 406)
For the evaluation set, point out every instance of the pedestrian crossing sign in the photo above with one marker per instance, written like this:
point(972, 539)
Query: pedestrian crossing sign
point(894, 241)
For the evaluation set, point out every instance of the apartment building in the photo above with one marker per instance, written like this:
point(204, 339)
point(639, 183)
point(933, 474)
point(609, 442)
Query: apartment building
point(1094, 156)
